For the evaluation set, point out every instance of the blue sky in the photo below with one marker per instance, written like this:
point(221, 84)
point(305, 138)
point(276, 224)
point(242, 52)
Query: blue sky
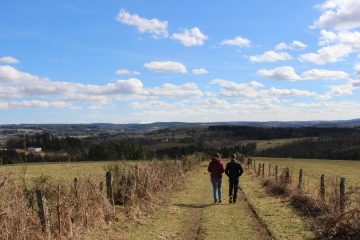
point(196, 61)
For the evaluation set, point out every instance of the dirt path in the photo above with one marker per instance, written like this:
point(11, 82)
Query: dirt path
point(192, 215)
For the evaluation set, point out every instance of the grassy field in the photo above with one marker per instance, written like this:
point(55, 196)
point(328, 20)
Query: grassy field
point(265, 144)
point(313, 168)
point(59, 171)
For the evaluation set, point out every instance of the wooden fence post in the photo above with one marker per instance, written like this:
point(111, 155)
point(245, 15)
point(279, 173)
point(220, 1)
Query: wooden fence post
point(101, 187)
point(342, 194)
point(276, 172)
point(254, 166)
point(43, 211)
point(322, 187)
point(269, 169)
point(58, 208)
point(287, 175)
point(263, 170)
point(109, 187)
point(259, 169)
point(76, 187)
point(300, 179)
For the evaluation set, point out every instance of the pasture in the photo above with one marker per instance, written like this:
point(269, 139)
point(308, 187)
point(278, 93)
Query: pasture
point(60, 171)
point(314, 168)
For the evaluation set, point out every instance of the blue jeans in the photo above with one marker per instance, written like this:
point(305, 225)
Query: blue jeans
point(216, 182)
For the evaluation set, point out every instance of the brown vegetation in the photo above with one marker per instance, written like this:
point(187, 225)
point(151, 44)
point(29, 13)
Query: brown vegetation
point(70, 209)
point(328, 220)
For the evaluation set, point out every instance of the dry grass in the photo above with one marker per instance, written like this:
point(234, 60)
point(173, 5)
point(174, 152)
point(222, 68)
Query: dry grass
point(74, 207)
point(328, 220)
point(70, 210)
point(137, 188)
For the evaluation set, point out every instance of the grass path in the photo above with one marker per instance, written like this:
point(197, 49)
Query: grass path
point(191, 214)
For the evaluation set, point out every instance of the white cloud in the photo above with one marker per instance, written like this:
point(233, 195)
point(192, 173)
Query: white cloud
point(233, 89)
point(351, 39)
point(280, 73)
point(8, 60)
point(187, 90)
point(296, 45)
point(126, 72)
point(271, 56)
point(190, 37)
point(150, 105)
point(199, 71)
point(290, 92)
point(327, 54)
point(252, 90)
point(166, 67)
point(237, 41)
point(339, 15)
point(155, 27)
point(16, 84)
point(357, 69)
point(34, 104)
point(324, 74)
point(215, 103)
point(289, 73)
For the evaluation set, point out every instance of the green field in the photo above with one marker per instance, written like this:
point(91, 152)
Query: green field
point(272, 143)
point(313, 168)
point(59, 171)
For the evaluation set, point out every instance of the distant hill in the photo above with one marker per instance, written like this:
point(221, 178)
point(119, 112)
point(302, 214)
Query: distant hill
point(101, 128)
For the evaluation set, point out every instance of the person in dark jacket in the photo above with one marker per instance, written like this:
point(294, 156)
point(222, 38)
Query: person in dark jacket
point(233, 170)
point(216, 168)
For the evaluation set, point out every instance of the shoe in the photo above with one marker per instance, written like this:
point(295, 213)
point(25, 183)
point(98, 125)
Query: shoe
point(234, 201)
point(220, 201)
point(230, 199)
point(215, 202)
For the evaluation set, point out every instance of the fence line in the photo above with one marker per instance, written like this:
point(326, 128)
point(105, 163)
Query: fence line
point(317, 187)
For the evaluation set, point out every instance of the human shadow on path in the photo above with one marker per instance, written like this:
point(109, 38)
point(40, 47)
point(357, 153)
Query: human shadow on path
point(194, 205)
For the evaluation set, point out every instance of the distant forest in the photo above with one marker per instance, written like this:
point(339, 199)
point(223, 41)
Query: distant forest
point(321, 143)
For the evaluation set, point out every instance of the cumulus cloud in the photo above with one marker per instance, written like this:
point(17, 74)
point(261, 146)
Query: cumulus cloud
point(237, 41)
point(255, 89)
point(150, 105)
point(295, 45)
point(17, 85)
point(154, 26)
point(199, 71)
point(289, 73)
point(166, 67)
point(350, 39)
point(357, 69)
point(327, 54)
point(339, 15)
point(34, 104)
point(280, 73)
point(126, 72)
point(190, 37)
point(8, 60)
point(233, 89)
point(187, 90)
point(271, 56)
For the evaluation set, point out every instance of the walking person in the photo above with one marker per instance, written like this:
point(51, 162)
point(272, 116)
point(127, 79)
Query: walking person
point(216, 168)
point(233, 170)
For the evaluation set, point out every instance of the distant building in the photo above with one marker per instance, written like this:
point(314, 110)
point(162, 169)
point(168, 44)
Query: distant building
point(34, 149)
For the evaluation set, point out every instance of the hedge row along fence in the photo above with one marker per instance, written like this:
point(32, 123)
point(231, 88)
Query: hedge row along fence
point(63, 210)
point(333, 208)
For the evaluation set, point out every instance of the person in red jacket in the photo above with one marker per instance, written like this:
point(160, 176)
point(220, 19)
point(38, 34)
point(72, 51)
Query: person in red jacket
point(216, 168)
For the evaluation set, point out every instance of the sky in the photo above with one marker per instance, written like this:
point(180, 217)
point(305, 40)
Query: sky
point(132, 61)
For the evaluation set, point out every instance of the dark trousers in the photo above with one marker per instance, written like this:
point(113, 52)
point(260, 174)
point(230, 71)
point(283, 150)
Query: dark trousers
point(233, 188)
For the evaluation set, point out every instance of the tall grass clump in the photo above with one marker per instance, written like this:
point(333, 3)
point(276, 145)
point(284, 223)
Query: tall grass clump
point(137, 188)
point(328, 219)
point(71, 209)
